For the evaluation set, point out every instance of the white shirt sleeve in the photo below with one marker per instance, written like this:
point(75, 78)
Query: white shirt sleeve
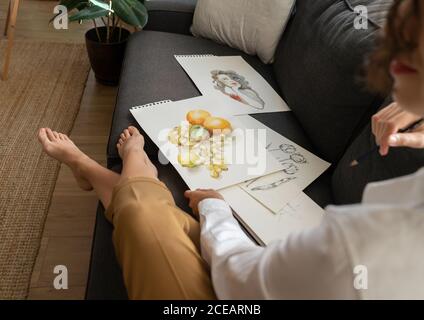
point(309, 265)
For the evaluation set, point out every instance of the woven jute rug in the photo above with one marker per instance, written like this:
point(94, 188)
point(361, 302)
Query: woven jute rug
point(44, 89)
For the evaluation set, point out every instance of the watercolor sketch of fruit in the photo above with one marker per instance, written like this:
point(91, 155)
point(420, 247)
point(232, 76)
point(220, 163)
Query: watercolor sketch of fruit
point(298, 169)
point(233, 81)
point(205, 144)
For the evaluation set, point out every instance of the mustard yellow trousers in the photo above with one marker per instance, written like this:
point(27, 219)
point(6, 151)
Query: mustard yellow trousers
point(156, 243)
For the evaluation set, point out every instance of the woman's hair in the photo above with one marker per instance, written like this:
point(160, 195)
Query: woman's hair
point(395, 39)
point(244, 84)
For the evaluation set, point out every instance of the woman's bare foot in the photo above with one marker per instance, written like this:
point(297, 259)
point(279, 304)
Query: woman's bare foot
point(131, 150)
point(61, 148)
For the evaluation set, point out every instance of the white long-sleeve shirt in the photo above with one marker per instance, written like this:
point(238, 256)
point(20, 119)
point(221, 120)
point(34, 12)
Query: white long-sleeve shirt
point(374, 250)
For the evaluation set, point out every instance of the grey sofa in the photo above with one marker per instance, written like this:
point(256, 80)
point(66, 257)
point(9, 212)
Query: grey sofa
point(317, 71)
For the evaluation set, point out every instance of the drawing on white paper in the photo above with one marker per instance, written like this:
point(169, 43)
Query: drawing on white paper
point(298, 168)
point(237, 87)
point(293, 154)
point(200, 138)
point(289, 168)
point(201, 141)
point(272, 185)
point(299, 214)
point(233, 83)
point(288, 164)
point(293, 210)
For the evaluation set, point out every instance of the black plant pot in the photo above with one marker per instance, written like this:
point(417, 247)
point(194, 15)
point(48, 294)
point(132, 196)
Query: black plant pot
point(106, 58)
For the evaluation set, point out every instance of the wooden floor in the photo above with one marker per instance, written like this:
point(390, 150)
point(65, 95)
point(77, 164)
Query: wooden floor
point(69, 226)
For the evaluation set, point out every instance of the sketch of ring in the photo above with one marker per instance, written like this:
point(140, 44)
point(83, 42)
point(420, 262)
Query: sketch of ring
point(286, 148)
point(296, 158)
point(289, 168)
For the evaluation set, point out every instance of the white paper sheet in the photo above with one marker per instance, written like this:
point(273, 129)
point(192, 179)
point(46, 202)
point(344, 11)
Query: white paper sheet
point(300, 168)
point(158, 121)
point(301, 214)
point(234, 82)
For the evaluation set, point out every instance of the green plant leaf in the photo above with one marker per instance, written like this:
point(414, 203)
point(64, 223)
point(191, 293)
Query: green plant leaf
point(132, 12)
point(142, 14)
point(89, 13)
point(100, 4)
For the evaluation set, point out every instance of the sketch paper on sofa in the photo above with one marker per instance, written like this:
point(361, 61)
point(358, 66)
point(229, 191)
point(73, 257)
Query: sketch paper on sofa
point(300, 214)
point(232, 81)
point(299, 168)
point(203, 141)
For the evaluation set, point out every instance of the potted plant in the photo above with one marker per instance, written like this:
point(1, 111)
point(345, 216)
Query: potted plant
point(106, 42)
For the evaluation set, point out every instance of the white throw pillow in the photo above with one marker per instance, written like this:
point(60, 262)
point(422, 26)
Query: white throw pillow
point(253, 26)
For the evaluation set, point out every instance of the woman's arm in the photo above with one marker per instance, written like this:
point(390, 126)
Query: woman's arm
point(308, 265)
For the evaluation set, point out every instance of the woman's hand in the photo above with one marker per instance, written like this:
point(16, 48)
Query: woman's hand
point(200, 194)
point(386, 125)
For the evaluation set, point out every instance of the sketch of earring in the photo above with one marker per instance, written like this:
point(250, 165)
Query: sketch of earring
point(286, 148)
point(296, 158)
point(273, 185)
point(289, 168)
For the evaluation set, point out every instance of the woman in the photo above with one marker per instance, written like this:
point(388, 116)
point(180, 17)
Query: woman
point(236, 87)
point(370, 250)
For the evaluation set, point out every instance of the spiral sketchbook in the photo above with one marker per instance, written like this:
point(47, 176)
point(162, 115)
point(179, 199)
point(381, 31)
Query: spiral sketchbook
point(185, 132)
point(233, 82)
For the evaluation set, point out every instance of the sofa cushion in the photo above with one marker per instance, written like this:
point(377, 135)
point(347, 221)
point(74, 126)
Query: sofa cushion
point(174, 16)
point(151, 73)
point(317, 66)
point(187, 6)
point(349, 183)
point(255, 27)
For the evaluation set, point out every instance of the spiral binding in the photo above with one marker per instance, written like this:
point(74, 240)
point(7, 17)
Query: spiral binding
point(151, 104)
point(193, 55)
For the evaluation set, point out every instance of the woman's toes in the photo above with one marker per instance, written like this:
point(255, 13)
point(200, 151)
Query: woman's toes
point(133, 130)
point(122, 136)
point(121, 141)
point(56, 135)
point(62, 136)
point(42, 136)
point(127, 133)
point(50, 134)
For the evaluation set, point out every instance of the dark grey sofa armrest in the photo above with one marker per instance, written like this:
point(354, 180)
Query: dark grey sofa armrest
point(175, 16)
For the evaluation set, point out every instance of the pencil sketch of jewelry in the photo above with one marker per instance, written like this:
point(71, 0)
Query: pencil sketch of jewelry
point(273, 185)
point(290, 210)
point(286, 148)
point(292, 151)
point(289, 168)
point(295, 157)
